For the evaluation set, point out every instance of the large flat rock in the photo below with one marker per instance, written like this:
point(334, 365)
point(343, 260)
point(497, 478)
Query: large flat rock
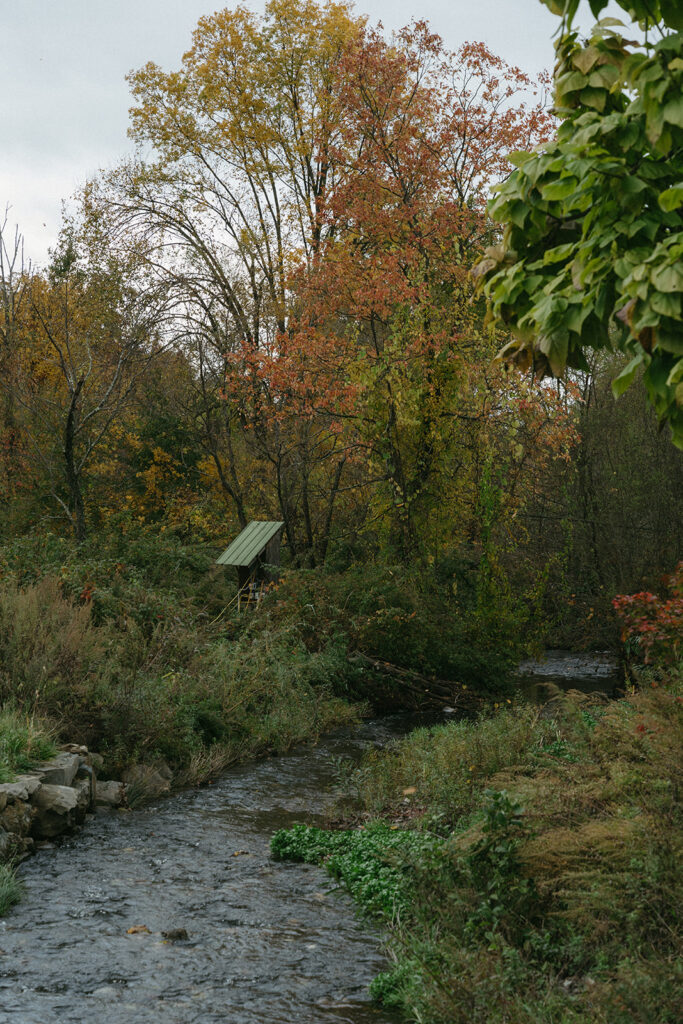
point(61, 770)
point(23, 788)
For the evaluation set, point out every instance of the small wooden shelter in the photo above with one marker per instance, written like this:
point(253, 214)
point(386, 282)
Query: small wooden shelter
point(254, 553)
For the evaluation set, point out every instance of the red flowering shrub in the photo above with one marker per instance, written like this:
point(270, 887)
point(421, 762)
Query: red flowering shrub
point(653, 626)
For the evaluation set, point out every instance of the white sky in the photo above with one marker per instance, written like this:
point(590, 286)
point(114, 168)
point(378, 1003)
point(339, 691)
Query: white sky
point(64, 99)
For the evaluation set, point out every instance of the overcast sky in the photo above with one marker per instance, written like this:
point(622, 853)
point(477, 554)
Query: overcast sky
point(64, 99)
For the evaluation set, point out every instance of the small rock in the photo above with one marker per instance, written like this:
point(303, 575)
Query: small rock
point(106, 992)
point(6, 844)
point(16, 818)
point(22, 788)
point(109, 794)
point(83, 790)
point(176, 935)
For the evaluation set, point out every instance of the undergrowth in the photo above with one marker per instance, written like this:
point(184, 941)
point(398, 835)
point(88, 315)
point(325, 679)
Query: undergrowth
point(131, 642)
point(538, 882)
point(133, 646)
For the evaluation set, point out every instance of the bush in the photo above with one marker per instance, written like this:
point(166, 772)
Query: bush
point(653, 626)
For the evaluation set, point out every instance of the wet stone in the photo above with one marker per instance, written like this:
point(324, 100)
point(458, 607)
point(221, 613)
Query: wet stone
point(109, 794)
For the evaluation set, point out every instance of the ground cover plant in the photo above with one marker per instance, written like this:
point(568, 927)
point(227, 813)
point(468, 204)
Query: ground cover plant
point(525, 865)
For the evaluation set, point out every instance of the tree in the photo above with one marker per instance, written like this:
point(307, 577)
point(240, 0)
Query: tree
point(242, 137)
point(87, 332)
point(591, 254)
point(386, 338)
point(14, 276)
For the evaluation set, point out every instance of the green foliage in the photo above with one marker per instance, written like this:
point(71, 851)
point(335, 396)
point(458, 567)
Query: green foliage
point(508, 900)
point(10, 888)
point(129, 644)
point(426, 620)
point(592, 249)
point(448, 766)
point(376, 864)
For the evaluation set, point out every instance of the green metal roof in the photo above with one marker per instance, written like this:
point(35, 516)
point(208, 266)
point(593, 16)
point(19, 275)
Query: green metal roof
point(249, 544)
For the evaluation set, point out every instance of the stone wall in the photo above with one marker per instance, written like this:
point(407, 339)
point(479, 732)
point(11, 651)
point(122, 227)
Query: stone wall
point(52, 799)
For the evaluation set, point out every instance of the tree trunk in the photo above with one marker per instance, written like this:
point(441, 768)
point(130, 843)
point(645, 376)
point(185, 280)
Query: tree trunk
point(72, 474)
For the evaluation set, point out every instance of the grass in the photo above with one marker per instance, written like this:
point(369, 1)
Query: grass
point(10, 888)
point(538, 882)
point(24, 742)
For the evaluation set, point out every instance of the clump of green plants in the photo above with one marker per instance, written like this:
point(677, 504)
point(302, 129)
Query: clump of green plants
point(133, 648)
point(374, 863)
point(10, 888)
point(423, 620)
point(24, 742)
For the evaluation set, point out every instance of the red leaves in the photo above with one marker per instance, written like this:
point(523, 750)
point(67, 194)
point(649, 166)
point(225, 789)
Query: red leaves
point(653, 623)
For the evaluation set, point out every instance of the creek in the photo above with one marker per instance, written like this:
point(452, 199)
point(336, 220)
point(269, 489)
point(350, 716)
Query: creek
point(268, 942)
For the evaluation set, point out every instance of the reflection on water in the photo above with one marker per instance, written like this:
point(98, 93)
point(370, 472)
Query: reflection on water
point(268, 943)
point(564, 670)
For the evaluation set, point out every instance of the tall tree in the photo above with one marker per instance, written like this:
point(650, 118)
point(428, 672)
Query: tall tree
point(387, 338)
point(243, 138)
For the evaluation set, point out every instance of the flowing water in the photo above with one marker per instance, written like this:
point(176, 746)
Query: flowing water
point(268, 942)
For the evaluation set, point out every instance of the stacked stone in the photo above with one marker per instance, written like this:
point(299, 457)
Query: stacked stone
point(51, 800)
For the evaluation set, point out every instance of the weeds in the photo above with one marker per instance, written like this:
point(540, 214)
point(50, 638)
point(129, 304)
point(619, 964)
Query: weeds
point(550, 894)
point(24, 742)
point(10, 888)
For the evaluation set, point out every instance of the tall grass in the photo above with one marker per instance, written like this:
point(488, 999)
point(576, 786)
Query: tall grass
point(552, 893)
point(24, 742)
point(10, 888)
point(149, 686)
